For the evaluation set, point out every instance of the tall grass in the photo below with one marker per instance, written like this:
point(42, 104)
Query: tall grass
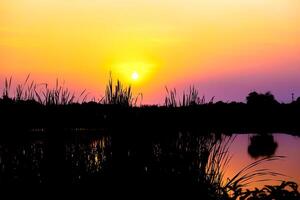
point(207, 159)
point(6, 89)
point(117, 94)
point(217, 163)
point(235, 187)
point(25, 91)
point(251, 173)
point(59, 95)
point(190, 98)
point(41, 93)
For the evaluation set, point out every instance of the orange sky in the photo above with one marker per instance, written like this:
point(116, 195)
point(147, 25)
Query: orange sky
point(225, 47)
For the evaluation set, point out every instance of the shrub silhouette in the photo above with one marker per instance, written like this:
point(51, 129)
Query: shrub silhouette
point(260, 99)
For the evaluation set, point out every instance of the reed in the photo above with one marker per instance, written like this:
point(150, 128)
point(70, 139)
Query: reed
point(41, 93)
point(6, 89)
point(190, 98)
point(217, 163)
point(59, 95)
point(235, 187)
point(25, 92)
point(117, 94)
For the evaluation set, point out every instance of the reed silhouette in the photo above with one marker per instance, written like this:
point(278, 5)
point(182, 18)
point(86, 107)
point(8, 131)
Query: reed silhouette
point(191, 98)
point(113, 140)
point(118, 157)
point(38, 106)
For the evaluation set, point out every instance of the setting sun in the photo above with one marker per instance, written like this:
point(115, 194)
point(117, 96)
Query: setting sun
point(201, 93)
point(135, 76)
point(216, 45)
point(133, 71)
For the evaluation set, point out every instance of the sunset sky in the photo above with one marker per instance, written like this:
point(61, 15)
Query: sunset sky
point(226, 48)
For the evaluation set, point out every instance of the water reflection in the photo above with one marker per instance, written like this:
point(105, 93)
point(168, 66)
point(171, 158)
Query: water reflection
point(28, 161)
point(86, 159)
point(287, 146)
point(182, 156)
point(262, 145)
point(21, 162)
point(185, 156)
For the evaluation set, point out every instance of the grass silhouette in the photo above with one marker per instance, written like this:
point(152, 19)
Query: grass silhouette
point(191, 98)
point(6, 89)
point(261, 112)
point(38, 104)
point(117, 94)
point(39, 93)
point(194, 157)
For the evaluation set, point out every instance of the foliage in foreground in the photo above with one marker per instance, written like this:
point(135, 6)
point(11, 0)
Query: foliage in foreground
point(115, 94)
point(40, 93)
point(190, 98)
point(214, 160)
point(285, 191)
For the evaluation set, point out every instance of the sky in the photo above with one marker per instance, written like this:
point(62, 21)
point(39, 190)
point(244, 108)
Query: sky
point(225, 48)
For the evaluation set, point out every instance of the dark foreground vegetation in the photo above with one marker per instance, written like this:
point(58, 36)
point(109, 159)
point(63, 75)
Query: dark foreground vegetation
point(139, 160)
point(50, 136)
point(32, 105)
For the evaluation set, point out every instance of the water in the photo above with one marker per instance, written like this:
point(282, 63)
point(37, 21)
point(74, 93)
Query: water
point(288, 146)
point(100, 158)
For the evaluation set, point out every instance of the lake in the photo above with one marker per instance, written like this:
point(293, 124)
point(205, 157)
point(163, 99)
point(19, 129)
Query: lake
point(288, 146)
point(99, 156)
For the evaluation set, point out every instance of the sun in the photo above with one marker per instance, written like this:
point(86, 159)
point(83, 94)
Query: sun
point(133, 72)
point(134, 76)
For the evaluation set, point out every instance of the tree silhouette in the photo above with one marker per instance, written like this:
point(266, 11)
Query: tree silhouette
point(261, 99)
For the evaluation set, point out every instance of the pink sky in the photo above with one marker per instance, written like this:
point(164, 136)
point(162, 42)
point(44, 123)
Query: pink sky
point(226, 48)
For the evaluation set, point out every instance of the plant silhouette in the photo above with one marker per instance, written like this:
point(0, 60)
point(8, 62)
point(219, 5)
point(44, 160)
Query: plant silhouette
point(183, 142)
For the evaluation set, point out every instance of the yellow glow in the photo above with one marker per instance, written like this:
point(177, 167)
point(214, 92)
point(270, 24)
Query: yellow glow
point(134, 71)
point(170, 42)
point(135, 76)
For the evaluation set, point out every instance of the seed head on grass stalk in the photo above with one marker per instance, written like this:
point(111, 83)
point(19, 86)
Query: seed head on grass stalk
point(117, 94)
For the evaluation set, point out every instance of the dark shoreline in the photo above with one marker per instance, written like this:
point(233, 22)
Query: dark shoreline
point(217, 117)
point(149, 146)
